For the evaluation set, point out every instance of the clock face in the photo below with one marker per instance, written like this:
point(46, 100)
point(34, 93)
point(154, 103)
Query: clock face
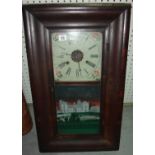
point(77, 56)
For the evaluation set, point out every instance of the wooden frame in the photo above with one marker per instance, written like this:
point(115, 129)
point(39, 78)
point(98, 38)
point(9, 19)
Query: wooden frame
point(39, 20)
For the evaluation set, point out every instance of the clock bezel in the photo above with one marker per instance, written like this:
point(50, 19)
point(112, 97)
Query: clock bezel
point(38, 20)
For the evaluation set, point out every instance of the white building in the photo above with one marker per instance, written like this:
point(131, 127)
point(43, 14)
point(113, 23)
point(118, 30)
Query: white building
point(80, 106)
point(63, 106)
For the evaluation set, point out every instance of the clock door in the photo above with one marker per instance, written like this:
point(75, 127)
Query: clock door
point(77, 56)
point(77, 61)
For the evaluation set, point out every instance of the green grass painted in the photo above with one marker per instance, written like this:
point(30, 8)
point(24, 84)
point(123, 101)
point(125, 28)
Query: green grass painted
point(82, 127)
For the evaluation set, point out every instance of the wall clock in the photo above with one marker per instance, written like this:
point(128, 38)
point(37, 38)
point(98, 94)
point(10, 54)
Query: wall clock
point(77, 58)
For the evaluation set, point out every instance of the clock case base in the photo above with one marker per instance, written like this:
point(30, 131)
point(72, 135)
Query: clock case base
point(38, 21)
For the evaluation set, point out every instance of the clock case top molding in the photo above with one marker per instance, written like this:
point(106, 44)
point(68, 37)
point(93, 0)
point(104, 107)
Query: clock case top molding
point(39, 22)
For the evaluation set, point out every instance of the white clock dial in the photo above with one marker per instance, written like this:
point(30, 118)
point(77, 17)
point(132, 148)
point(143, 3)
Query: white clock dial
point(77, 56)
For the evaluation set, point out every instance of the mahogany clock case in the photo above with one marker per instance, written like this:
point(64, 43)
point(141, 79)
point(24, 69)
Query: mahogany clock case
point(113, 21)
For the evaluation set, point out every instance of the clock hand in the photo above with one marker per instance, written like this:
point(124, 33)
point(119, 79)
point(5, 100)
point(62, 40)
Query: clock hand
point(79, 67)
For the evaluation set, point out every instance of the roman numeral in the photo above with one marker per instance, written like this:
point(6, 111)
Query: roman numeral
point(94, 56)
point(61, 47)
point(92, 47)
point(86, 72)
point(87, 38)
point(90, 63)
point(60, 56)
point(59, 75)
point(68, 71)
point(69, 42)
point(93, 76)
point(78, 72)
point(63, 64)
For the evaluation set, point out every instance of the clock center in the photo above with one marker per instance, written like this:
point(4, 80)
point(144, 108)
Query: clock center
point(77, 55)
